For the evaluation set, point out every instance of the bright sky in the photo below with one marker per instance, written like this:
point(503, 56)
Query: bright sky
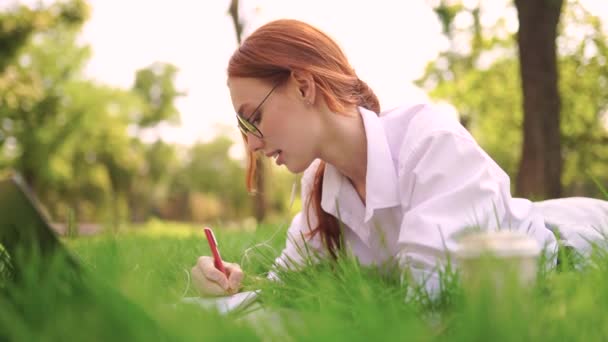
point(388, 42)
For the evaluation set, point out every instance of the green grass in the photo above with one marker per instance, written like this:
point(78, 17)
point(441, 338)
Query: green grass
point(133, 279)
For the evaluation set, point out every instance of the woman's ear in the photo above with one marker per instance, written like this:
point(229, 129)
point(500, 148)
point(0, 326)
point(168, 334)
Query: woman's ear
point(305, 86)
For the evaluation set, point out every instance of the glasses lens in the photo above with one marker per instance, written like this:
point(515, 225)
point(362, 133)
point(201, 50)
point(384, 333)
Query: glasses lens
point(247, 127)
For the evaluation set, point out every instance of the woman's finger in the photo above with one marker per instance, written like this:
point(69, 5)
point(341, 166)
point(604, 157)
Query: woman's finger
point(204, 286)
point(235, 275)
point(205, 264)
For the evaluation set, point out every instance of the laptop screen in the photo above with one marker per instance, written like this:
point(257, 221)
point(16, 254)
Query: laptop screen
point(24, 229)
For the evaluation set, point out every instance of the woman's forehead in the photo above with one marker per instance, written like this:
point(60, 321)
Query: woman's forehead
point(246, 92)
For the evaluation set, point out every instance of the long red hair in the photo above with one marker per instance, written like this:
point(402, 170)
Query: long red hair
point(271, 53)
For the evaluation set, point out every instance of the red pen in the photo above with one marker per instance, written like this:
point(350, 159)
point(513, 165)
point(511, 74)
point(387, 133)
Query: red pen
point(217, 259)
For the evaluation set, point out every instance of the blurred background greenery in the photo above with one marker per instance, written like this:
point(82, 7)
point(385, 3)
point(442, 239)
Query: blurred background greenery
point(76, 140)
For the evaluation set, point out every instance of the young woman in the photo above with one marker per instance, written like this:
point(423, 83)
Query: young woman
point(403, 182)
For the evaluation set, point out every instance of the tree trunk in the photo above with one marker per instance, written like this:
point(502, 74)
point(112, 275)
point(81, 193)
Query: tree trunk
point(259, 199)
point(540, 167)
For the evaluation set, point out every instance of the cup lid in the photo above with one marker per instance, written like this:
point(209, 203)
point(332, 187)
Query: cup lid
point(501, 243)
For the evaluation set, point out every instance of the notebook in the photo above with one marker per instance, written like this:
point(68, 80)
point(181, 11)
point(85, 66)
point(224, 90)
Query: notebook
point(225, 304)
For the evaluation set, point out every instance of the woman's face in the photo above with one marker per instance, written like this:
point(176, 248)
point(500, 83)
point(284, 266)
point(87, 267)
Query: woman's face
point(288, 124)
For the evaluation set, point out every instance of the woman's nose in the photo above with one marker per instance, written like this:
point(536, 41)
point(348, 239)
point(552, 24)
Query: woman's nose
point(254, 143)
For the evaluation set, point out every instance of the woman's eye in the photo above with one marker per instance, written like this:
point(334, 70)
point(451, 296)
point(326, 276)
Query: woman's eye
point(257, 117)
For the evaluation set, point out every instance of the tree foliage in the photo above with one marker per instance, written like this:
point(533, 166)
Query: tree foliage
point(77, 142)
point(488, 94)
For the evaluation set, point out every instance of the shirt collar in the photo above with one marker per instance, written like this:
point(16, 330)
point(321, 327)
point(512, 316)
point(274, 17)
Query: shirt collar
point(381, 178)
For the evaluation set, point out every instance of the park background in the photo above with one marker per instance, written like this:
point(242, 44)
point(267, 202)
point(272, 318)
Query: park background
point(118, 117)
point(118, 111)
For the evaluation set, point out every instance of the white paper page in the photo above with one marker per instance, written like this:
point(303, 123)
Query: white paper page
point(224, 304)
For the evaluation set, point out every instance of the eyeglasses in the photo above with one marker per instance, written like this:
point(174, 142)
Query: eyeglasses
point(247, 126)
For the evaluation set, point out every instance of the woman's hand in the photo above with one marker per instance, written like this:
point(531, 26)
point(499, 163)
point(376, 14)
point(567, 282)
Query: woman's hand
point(212, 282)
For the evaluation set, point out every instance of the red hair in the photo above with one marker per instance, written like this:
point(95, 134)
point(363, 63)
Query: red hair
point(280, 47)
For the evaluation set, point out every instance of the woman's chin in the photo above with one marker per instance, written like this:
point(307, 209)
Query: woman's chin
point(292, 169)
point(296, 168)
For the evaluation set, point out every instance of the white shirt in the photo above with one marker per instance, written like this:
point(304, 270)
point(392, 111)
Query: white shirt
point(427, 179)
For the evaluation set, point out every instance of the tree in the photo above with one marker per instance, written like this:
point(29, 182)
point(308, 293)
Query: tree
point(488, 94)
point(31, 89)
point(152, 184)
point(208, 170)
point(155, 85)
point(69, 136)
point(260, 202)
point(540, 168)
point(98, 163)
point(17, 25)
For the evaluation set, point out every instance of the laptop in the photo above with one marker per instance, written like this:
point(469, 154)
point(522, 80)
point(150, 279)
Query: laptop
point(27, 239)
point(26, 235)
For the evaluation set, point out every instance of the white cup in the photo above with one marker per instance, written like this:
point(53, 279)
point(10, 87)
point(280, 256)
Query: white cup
point(497, 257)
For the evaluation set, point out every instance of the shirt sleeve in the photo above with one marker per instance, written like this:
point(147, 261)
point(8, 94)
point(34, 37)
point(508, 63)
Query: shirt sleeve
point(447, 183)
point(300, 249)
